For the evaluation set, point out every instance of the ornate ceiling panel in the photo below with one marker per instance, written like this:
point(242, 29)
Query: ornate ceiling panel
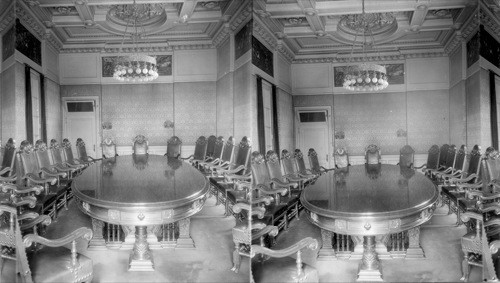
point(81, 23)
point(314, 28)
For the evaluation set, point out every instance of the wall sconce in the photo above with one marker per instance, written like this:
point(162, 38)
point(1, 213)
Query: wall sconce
point(401, 133)
point(107, 126)
point(168, 124)
point(339, 135)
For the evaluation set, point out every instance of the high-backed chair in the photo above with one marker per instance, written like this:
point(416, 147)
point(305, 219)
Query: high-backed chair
point(200, 151)
point(301, 165)
point(458, 167)
point(341, 158)
point(140, 145)
point(216, 155)
point(443, 154)
point(479, 245)
point(108, 148)
point(174, 147)
point(448, 164)
point(283, 267)
point(432, 159)
point(68, 154)
point(59, 158)
point(290, 169)
point(316, 168)
point(372, 154)
point(406, 156)
point(30, 170)
point(51, 265)
point(211, 140)
point(225, 159)
point(81, 152)
point(47, 168)
point(8, 170)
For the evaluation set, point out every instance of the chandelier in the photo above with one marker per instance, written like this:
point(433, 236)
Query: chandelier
point(137, 67)
point(366, 76)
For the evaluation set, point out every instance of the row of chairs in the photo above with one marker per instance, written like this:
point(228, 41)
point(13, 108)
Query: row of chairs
point(35, 184)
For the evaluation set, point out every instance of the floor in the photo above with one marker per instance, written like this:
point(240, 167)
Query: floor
point(441, 247)
point(211, 261)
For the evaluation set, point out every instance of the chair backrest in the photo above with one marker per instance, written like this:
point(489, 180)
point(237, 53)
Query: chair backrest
point(81, 150)
point(451, 156)
point(372, 154)
point(289, 164)
point(42, 154)
point(313, 160)
point(242, 155)
point(9, 156)
point(474, 160)
point(211, 145)
point(260, 171)
point(108, 148)
point(341, 158)
point(174, 147)
point(68, 152)
point(433, 157)
point(492, 165)
point(443, 153)
point(140, 145)
point(218, 147)
point(57, 152)
point(200, 148)
point(299, 160)
point(29, 162)
point(460, 159)
point(227, 152)
point(273, 165)
point(406, 156)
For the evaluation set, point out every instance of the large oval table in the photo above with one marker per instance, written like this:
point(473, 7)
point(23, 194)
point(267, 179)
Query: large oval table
point(368, 201)
point(140, 191)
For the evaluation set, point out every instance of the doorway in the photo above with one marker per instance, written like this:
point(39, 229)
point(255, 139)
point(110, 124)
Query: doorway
point(80, 117)
point(312, 130)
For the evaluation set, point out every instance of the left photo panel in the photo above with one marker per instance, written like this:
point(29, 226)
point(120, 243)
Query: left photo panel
point(126, 141)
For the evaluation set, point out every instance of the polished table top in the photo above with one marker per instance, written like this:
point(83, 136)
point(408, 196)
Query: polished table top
point(370, 194)
point(141, 183)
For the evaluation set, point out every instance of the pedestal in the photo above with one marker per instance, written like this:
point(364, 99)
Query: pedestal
point(141, 258)
point(184, 241)
point(97, 243)
point(326, 252)
point(369, 269)
point(414, 250)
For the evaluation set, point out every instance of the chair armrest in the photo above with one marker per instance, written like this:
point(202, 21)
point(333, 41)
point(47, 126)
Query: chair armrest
point(15, 189)
point(268, 230)
point(280, 183)
point(257, 211)
point(463, 180)
point(56, 174)
point(37, 180)
point(469, 186)
point(268, 191)
point(466, 216)
point(5, 170)
point(266, 200)
point(9, 179)
point(30, 201)
point(293, 178)
point(82, 232)
point(233, 177)
point(233, 171)
point(41, 219)
point(308, 242)
point(421, 167)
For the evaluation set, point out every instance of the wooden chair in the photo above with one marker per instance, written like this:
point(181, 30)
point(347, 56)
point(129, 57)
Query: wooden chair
point(443, 155)
point(282, 267)
point(140, 145)
point(214, 158)
point(341, 158)
point(81, 152)
point(59, 158)
point(301, 165)
point(480, 245)
point(316, 168)
point(174, 147)
point(290, 170)
point(225, 158)
point(108, 148)
point(8, 169)
point(432, 159)
point(47, 168)
point(372, 154)
point(50, 265)
point(449, 161)
point(200, 152)
point(30, 170)
point(211, 140)
point(458, 166)
point(406, 156)
point(68, 155)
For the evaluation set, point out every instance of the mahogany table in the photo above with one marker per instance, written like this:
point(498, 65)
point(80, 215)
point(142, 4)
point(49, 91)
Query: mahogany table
point(368, 201)
point(141, 191)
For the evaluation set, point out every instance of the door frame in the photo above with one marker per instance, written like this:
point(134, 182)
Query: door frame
point(329, 121)
point(97, 113)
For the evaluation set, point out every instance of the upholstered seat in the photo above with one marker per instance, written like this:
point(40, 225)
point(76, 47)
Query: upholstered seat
point(432, 159)
point(372, 154)
point(108, 148)
point(81, 151)
point(174, 147)
point(406, 156)
point(341, 158)
point(140, 145)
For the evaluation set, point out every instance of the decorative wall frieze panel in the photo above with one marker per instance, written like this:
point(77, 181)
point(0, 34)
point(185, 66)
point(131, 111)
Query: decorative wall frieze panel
point(487, 19)
point(369, 58)
point(106, 49)
point(234, 24)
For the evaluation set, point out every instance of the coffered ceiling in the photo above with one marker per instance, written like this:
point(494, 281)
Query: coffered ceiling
point(97, 23)
point(319, 28)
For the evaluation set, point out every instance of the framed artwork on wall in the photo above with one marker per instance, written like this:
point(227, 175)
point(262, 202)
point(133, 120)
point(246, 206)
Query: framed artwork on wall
point(473, 50)
point(163, 62)
point(262, 57)
point(489, 47)
point(243, 40)
point(28, 44)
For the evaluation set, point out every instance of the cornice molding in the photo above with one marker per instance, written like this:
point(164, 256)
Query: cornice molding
point(370, 58)
point(26, 17)
point(241, 18)
point(459, 36)
point(8, 19)
point(487, 19)
point(262, 32)
point(105, 49)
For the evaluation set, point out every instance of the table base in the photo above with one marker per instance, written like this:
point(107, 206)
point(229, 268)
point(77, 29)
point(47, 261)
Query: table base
point(141, 258)
point(369, 269)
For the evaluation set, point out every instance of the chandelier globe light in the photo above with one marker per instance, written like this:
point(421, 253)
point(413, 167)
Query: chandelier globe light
point(137, 67)
point(365, 76)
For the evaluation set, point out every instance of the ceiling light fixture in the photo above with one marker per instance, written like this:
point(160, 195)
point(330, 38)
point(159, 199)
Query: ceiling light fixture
point(365, 76)
point(137, 67)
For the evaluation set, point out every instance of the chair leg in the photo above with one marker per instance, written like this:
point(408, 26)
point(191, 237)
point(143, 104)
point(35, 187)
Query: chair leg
point(236, 258)
point(297, 211)
point(465, 268)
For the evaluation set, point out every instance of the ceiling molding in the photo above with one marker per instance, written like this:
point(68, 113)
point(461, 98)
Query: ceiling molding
point(489, 20)
point(25, 16)
point(7, 18)
point(384, 58)
point(261, 31)
point(131, 49)
point(241, 17)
